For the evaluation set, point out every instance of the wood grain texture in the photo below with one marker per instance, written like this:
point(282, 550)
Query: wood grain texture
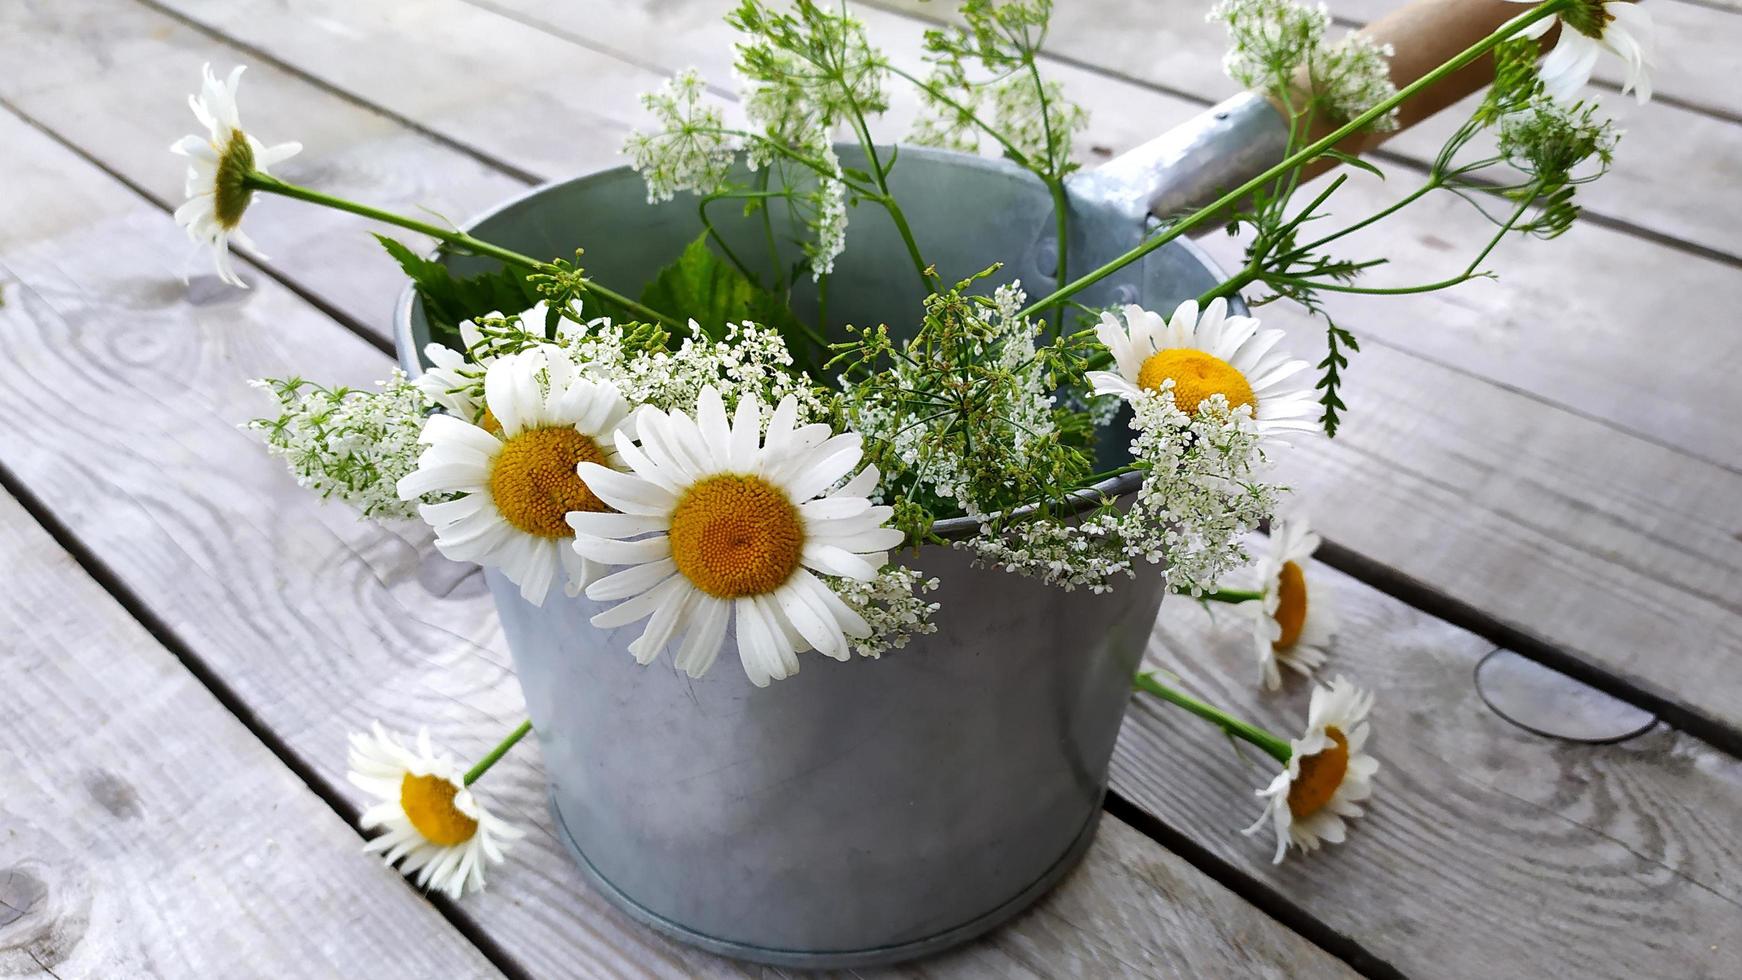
point(321, 623)
point(142, 63)
point(1487, 851)
point(144, 832)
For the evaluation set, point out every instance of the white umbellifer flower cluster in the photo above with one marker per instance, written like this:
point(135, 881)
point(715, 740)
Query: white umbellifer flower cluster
point(1202, 492)
point(1549, 138)
point(1018, 408)
point(1269, 39)
point(1354, 75)
point(892, 604)
point(748, 360)
point(826, 216)
point(1026, 120)
point(691, 151)
point(947, 123)
point(347, 443)
point(1071, 554)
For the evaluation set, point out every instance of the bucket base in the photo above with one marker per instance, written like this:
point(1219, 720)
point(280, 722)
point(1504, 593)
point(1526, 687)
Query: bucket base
point(846, 958)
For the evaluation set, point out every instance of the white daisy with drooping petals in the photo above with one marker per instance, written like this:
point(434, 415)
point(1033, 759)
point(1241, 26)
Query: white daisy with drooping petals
point(1204, 355)
point(1589, 28)
point(435, 827)
point(1328, 775)
point(218, 163)
point(1293, 624)
point(514, 469)
point(719, 522)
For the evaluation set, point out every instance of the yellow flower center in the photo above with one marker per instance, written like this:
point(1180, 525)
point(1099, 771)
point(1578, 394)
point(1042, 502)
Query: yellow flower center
point(1320, 775)
point(736, 536)
point(534, 482)
point(1196, 376)
point(429, 803)
point(1291, 604)
point(231, 195)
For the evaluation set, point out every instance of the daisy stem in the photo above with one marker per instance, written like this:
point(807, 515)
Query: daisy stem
point(1273, 746)
point(498, 752)
point(459, 239)
point(1299, 158)
point(1230, 595)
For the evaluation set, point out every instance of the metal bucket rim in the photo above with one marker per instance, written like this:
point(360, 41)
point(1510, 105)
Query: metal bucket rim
point(410, 358)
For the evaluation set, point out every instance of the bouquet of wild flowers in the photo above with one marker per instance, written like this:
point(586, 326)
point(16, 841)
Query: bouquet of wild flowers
point(703, 459)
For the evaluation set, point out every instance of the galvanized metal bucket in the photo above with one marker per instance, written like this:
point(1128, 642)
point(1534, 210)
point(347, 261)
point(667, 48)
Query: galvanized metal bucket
point(863, 812)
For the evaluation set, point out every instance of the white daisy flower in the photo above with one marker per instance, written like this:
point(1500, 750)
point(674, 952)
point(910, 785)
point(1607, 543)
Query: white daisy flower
point(1589, 28)
point(717, 521)
point(217, 165)
point(1211, 354)
point(451, 380)
point(432, 821)
point(1327, 775)
point(515, 469)
point(1287, 629)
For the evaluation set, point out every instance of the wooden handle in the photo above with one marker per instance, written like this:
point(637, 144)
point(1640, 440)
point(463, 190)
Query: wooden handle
point(1424, 35)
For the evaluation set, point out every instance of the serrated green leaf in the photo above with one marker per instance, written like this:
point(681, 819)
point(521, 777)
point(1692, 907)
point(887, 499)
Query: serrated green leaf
point(449, 301)
point(705, 287)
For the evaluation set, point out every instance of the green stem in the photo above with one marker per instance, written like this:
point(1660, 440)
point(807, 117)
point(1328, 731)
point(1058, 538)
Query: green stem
point(459, 239)
point(1230, 596)
point(1300, 157)
point(1062, 231)
point(495, 754)
point(1273, 746)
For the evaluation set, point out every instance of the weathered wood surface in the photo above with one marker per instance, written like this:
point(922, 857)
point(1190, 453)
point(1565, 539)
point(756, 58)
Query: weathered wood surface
point(144, 832)
point(1498, 496)
point(1487, 851)
point(321, 623)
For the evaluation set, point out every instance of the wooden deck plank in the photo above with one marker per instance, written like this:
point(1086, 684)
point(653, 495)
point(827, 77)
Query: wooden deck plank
point(321, 622)
point(144, 831)
point(138, 64)
point(1487, 850)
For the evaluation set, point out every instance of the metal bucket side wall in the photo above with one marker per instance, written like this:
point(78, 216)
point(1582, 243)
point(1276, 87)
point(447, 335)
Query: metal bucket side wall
point(857, 805)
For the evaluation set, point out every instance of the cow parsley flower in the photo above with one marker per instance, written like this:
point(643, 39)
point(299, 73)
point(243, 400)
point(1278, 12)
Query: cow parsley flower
point(691, 151)
point(893, 604)
point(1588, 29)
point(347, 443)
point(1549, 139)
point(218, 166)
point(1038, 121)
point(1269, 39)
point(1352, 76)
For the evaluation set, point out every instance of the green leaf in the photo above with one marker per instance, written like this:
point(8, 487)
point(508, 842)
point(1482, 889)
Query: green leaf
point(1351, 160)
point(449, 301)
point(712, 291)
